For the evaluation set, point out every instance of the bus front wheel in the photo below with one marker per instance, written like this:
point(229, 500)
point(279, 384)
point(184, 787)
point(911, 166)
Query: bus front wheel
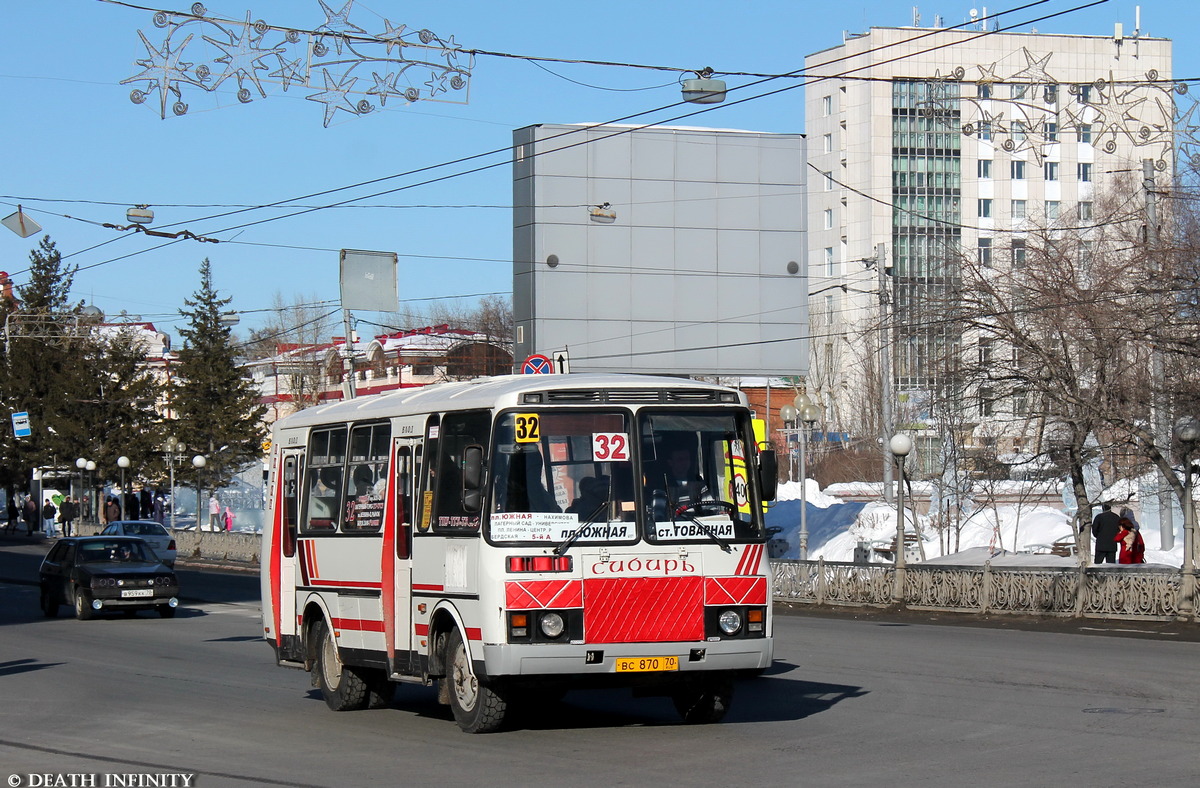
point(341, 687)
point(705, 702)
point(477, 707)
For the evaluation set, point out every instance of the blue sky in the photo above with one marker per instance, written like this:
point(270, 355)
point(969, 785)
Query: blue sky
point(71, 133)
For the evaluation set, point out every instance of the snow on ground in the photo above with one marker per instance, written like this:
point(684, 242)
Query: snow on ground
point(1027, 529)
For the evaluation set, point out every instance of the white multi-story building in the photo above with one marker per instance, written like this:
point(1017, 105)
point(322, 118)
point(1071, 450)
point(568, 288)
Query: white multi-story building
point(934, 143)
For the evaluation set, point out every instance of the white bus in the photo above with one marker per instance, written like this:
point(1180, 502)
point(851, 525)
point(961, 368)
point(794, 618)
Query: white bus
point(522, 535)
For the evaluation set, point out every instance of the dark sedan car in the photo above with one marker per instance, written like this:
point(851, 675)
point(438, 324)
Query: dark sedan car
point(97, 573)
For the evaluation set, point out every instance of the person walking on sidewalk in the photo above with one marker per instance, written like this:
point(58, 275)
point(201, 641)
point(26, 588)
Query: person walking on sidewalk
point(48, 512)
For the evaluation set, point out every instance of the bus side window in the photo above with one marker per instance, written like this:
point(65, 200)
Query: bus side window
point(326, 457)
point(457, 432)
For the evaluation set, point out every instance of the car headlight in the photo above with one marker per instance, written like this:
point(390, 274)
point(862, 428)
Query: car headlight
point(730, 622)
point(552, 625)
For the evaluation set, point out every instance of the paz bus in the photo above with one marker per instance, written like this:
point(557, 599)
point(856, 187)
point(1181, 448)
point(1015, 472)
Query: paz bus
point(519, 536)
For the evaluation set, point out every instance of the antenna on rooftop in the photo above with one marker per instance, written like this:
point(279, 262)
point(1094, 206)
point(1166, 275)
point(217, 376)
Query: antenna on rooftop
point(916, 17)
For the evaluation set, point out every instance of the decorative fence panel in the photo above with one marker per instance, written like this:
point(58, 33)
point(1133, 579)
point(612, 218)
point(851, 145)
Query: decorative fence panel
point(1093, 592)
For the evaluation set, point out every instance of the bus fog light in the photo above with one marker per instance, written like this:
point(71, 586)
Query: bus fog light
point(552, 625)
point(730, 622)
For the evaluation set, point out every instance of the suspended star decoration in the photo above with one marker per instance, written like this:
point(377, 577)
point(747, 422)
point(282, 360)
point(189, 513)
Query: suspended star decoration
point(328, 60)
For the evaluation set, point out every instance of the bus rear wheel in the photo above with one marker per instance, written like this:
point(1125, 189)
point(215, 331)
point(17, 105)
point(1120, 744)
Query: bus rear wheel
point(703, 703)
point(477, 707)
point(341, 687)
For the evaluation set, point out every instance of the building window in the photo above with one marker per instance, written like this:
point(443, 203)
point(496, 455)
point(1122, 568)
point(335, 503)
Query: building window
point(1018, 209)
point(1050, 94)
point(828, 181)
point(985, 351)
point(827, 140)
point(1017, 169)
point(985, 91)
point(986, 404)
point(829, 266)
point(985, 252)
point(1085, 171)
point(829, 310)
point(1052, 209)
point(985, 208)
point(1051, 169)
point(984, 167)
point(827, 105)
point(1085, 133)
point(1020, 404)
point(1051, 131)
point(1086, 249)
point(1018, 91)
point(1085, 211)
point(985, 130)
point(1085, 94)
point(1017, 131)
point(828, 218)
point(1018, 253)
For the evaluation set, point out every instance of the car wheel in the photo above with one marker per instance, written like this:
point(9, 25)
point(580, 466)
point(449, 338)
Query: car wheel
point(703, 703)
point(342, 688)
point(166, 611)
point(83, 605)
point(477, 707)
point(49, 606)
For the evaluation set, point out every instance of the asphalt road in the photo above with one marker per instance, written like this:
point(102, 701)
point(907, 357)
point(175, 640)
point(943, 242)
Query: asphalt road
point(848, 703)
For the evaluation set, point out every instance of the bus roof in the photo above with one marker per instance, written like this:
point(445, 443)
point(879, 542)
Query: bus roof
point(506, 391)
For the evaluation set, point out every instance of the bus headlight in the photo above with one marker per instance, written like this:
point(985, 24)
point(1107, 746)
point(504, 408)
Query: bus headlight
point(552, 625)
point(730, 622)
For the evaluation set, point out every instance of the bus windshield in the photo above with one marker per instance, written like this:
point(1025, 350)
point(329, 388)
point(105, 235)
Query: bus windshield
point(562, 477)
point(695, 475)
point(562, 474)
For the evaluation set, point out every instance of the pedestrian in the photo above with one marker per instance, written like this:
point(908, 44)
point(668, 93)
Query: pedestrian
point(1104, 532)
point(228, 519)
point(48, 512)
point(66, 513)
point(214, 513)
point(112, 510)
point(1129, 541)
point(14, 514)
point(159, 509)
point(30, 513)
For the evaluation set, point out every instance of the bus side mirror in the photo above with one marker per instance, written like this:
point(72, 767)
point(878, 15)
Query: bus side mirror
point(473, 478)
point(768, 473)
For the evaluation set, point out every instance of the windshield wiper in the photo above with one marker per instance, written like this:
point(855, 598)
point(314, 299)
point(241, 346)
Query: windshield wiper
point(705, 527)
point(578, 532)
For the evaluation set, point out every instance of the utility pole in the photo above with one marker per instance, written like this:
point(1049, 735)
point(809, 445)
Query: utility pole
point(350, 391)
point(885, 368)
point(1159, 415)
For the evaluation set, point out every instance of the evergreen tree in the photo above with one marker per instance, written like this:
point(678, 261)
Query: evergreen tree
point(216, 407)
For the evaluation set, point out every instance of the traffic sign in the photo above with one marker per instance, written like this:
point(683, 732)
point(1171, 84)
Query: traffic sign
point(21, 428)
point(537, 364)
point(562, 362)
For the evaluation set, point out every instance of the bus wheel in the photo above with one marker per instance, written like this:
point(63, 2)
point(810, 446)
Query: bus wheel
point(477, 707)
point(341, 687)
point(705, 702)
point(380, 690)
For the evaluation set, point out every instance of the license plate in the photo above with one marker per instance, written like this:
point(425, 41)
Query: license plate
point(646, 664)
point(129, 593)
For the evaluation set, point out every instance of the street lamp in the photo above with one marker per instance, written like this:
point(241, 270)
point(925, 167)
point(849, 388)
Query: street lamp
point(122, 463)
point(789, 414)
point(809, 414)
point(81, 464)
point(1187, 432)
point(199, 461)
point(900, 445)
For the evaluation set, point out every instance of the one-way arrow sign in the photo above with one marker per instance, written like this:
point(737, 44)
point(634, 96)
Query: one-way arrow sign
point(562, 362)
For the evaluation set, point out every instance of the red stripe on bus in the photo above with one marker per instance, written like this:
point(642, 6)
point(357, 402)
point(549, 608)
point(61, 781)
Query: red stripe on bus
point(423, 587)
point(344, 584)
point(358, 624)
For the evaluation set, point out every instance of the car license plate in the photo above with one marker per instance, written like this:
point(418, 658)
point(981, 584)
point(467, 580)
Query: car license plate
point(646, 664)
point(136, 592)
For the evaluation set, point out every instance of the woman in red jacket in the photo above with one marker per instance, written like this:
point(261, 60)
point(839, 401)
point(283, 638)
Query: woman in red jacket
point(1129, 541)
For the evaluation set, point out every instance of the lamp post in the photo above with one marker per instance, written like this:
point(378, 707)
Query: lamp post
point(81, 463)
point(1187, 431)
point(900, 446)
point(199, 461)
point(122, 463)
point(789, 414)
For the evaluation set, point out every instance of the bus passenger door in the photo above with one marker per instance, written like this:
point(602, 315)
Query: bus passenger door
point(282, 566)
point(396, 558)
